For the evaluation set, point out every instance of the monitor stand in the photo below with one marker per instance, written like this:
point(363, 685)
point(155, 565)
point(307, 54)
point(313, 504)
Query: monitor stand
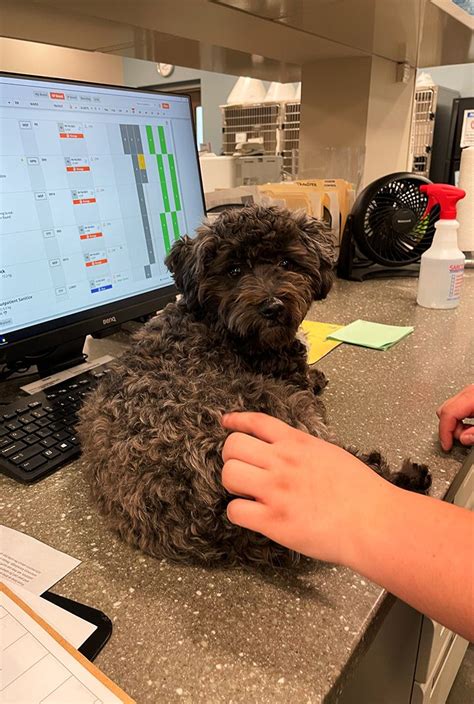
point(65, 355)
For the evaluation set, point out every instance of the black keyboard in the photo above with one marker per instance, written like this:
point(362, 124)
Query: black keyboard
point(37, 433)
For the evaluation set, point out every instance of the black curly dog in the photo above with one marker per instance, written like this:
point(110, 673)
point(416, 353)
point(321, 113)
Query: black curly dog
point(151, 432)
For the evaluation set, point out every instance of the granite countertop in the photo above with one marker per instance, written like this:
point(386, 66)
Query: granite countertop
point(186, 634)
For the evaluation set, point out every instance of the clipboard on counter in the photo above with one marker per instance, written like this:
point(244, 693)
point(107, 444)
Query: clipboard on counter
point(39, 665)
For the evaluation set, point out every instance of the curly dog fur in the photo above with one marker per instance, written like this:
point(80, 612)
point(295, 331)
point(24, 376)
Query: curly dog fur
point(151, 432)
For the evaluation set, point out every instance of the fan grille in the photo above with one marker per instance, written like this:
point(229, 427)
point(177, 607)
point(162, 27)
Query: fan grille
point(381, 237)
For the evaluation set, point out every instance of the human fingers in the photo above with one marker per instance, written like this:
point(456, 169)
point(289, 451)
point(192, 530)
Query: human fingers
point(248, 514)
point(466, 436)
point(446, 428)
point(260, 425)
point(462, 432)
point(461, 405)
point(451, 412)
point(239, 446)
point(459, 429)
point(245, 479)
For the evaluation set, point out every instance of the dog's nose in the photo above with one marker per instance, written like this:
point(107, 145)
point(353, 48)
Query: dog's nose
point(272, 308)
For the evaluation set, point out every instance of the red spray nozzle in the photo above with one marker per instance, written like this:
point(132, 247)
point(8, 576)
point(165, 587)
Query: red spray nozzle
point(447, 196)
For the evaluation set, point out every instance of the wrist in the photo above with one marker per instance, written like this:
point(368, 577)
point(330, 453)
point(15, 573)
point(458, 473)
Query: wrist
point(369, 519)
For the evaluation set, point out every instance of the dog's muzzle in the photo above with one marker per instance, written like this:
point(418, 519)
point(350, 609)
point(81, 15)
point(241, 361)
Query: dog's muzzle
point(272, 308)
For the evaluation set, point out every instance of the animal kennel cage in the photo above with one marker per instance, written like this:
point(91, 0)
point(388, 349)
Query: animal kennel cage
point(291, 138)
point(424, 110)
point(432, 111)
point(275, 126)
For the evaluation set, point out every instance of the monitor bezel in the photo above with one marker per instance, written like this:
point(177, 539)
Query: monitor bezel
point(31, 340)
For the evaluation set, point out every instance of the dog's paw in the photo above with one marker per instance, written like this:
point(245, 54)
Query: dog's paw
point(317, 380)
point(374, 459)
point(413, 476)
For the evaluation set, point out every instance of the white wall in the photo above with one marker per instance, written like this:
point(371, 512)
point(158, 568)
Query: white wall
point(458, 77)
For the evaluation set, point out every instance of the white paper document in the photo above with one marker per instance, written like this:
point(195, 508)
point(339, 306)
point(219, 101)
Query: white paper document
point(28, 563)
point(72, 628)
point(39, 668)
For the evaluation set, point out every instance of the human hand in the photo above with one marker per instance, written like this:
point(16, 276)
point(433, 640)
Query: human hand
point(451, 414)
point(304, 493)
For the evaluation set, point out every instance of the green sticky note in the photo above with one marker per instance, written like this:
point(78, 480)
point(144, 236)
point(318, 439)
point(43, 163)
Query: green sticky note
point(373, 335)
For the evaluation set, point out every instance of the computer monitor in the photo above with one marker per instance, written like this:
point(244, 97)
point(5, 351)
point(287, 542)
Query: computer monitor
point(96, 183)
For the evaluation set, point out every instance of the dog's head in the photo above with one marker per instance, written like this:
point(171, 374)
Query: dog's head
point(255, 271)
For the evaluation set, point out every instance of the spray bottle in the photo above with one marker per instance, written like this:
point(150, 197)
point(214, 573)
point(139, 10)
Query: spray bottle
point(442, 265)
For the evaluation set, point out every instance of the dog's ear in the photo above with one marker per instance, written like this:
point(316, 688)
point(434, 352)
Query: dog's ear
point(318, 240)
point(187, 261)
point(180, 263)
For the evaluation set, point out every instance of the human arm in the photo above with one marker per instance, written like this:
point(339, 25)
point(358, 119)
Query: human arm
point(317, 499)
point(451, 415)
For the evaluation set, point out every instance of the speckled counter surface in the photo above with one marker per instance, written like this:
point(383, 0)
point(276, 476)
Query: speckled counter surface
point(186, 634)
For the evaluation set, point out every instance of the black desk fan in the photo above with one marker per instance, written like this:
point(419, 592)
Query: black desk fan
point(388, 229)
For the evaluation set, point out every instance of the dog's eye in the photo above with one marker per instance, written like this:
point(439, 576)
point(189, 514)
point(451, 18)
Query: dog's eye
point(284, 263)
point(234, 271)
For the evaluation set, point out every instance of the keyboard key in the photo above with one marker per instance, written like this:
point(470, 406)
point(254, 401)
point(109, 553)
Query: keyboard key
point(50, 396)
point(42, 422)
point(12, 449)
point(44, 432)
point(48, 442)
point(39, 413)
point(73, 386)
point(74, 440)
point(30, 439)
point(83, 382)
point(3, 431)
point(64, 446)
point(35, 404)
point(4, 442)
point(17, 435)
point(9, 416)
point(20, 411)
point(48, 409)
point(61, 435)
point(25, 419)
point(30, 428)
point(62, 391)
point(51, 453)
point(14, 425)
point(55, 426)
point(35, 462)
point(23, 455)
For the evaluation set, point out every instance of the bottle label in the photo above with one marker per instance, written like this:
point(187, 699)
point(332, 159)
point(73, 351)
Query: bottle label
point(456, 272)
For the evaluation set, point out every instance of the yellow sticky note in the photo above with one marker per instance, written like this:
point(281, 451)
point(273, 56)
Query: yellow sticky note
point(141, 161)
point(316, 334)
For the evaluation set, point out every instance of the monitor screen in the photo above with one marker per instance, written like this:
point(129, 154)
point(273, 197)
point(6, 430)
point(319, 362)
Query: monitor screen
point(96, 183)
